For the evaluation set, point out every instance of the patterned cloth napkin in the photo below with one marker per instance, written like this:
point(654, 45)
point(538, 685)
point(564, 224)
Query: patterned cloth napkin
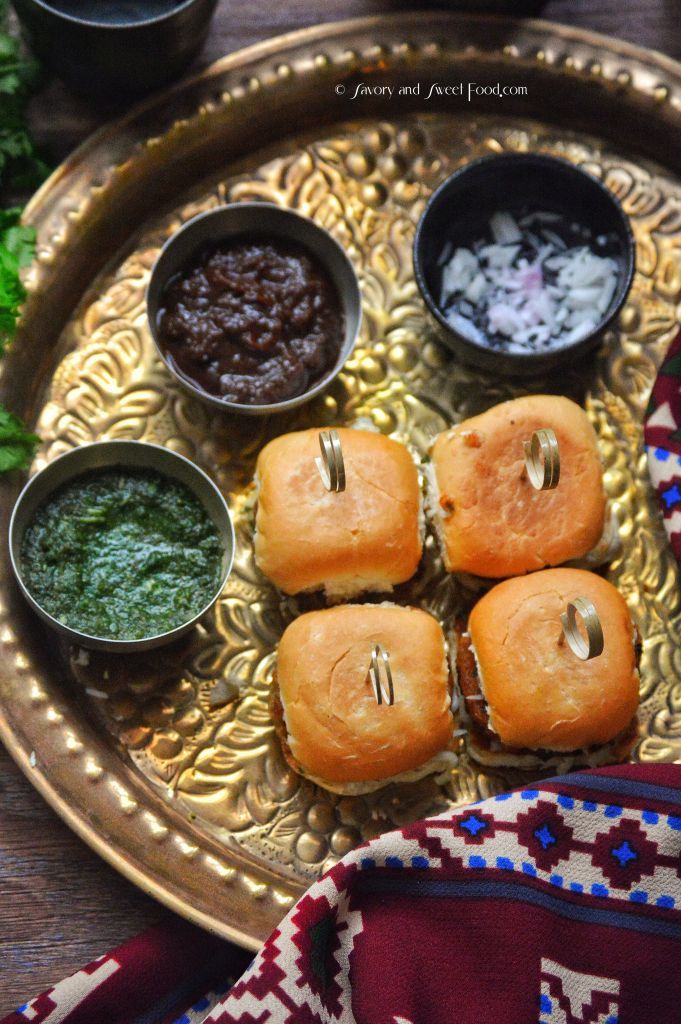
point(663, 442)
point(556, 904)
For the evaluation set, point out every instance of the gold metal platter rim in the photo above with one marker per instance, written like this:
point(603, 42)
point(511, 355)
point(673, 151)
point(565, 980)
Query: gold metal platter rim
point(20, 746)
point(142, 879)
point(277, 44)
point(595, 42)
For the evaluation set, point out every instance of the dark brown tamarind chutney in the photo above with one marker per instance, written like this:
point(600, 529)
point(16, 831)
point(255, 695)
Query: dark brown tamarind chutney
point(253, 320)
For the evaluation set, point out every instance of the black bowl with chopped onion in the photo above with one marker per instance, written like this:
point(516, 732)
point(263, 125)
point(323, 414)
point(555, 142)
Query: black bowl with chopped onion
point(524, 260)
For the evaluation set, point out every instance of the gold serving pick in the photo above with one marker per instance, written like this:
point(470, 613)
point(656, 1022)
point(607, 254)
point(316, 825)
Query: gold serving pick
point(383, 694)
point(331, 465)
point(593, 645)
point(542, 459)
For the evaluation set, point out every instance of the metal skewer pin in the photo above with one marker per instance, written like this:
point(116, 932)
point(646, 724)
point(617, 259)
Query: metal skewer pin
point(331, 465)
point(542, 459)
point(584, 649)
point(380, 659)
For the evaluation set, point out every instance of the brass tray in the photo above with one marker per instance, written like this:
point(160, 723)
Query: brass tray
point(191, 801)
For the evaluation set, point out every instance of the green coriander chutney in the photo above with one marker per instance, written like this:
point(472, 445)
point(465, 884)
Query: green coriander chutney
point(122, 554)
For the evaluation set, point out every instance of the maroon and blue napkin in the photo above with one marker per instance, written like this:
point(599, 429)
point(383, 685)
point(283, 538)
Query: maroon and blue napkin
point(559, 903)
point(662, 433)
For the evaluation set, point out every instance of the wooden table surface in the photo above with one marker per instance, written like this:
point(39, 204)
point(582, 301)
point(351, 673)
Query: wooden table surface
point(60, 905)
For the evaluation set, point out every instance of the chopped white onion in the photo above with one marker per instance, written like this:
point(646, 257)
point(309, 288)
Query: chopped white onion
point(539, 217)
point(534, 290)
point(445, 254)
point(499, 255)
point(553, 239)
point(476, 288)
point(458, 273)
point(504, 229)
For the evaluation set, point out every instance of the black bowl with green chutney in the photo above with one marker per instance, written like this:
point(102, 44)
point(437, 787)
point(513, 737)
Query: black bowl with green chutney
point(121, 545)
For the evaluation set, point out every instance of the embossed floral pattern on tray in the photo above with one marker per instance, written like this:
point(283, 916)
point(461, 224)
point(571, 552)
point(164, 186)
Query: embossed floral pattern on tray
point(136, 756)
point(221, 766)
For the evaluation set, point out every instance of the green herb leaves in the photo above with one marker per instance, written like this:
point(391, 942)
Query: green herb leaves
point(19, 169)
point(17, 247)
point(16, 444)
point(19, 166)
point(18, 239)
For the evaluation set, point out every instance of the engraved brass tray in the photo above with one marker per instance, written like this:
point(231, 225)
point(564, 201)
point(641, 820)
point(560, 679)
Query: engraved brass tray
point(191, 800)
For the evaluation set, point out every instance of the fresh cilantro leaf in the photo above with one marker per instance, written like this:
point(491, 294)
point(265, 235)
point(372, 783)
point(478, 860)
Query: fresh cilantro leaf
point(19, 240)
point(19, 169)
point(17, 445)
point(17, 247)
point(18, 76)
point(9, 217)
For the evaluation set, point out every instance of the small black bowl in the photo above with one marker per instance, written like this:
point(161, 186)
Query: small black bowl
point(117, 59)
point(459, 212)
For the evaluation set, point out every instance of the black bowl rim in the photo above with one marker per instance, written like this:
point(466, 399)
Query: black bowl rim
point(554, 354)
point(107, 26)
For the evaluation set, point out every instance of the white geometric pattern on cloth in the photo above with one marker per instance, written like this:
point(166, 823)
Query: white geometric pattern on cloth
point(197, 1014)
point(571, 997)
point(663, 417)
point(294, 985)
point(495, 835)
point(662, 464)
point(577, 870)
point(68, 994)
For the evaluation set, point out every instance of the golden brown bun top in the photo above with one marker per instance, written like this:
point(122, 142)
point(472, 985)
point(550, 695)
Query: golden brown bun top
point(336, 729)
point(540, 695)
point(308, 536)
point(499, 525)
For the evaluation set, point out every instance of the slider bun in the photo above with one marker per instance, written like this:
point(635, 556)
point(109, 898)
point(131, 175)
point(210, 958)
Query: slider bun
point(490, 519)
point(540, 696)
point(335, 729)
point(368, 537)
